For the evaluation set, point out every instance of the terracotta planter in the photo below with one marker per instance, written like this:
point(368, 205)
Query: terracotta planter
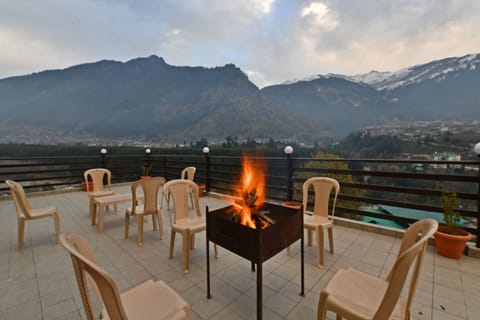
point(90, 186)
point(201, 190)
point(292, 204)
point(451, 246)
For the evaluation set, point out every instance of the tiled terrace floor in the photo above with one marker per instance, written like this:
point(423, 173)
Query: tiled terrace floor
point(38, 282)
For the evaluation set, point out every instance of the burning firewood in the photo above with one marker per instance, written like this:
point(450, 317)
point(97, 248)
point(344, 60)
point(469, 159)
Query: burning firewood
point(249, 198)
point(251, 195)
point(263, 215)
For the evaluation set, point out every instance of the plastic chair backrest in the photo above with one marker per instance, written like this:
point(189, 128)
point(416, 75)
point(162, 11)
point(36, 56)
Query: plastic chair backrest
point(86, 270)
point(96, 176)
point(150, 188)
point(322, 187)
point(188, 173)
point(22, 206)
point(413, 246)
point(179, 189)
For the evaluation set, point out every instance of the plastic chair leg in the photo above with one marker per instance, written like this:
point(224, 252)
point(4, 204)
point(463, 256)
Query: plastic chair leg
point(172, 243)
point(140, 229)
point(21, 231)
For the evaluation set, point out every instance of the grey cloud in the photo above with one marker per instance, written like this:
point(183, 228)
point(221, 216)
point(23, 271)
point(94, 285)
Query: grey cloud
point(370, 34)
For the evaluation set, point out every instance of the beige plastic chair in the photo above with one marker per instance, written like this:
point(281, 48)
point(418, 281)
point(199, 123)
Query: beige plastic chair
point(149, 206)
point(356, 295)
point(25, 212)
point(182, 222)
point(99, 190)
point(319, 220)
point(189, 174)
point(149, 300)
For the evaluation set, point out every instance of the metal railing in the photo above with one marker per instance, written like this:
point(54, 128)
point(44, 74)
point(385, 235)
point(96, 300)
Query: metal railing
point(365, 183)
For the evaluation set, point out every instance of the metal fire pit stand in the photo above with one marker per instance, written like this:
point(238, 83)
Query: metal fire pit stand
point(229, 235)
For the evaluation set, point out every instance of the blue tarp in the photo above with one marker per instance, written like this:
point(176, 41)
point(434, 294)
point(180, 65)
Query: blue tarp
point(404, 213)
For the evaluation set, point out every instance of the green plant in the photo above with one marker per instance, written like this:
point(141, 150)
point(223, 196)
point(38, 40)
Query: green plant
point(334, 165)
point(146, 169)
point(451, 216)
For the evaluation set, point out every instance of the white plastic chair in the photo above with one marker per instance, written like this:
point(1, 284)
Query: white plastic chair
point(25, 211)
point(149, 206)
point(188, 173)
point(318, 220)
point(96, 176)
point(147, 301)
point(355, 295)
point(182, 222)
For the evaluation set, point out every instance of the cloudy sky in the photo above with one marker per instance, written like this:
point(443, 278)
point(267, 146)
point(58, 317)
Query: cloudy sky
point(270, 40)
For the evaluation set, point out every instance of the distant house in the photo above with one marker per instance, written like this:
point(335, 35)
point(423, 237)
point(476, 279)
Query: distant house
point(446, 156)
point(419, 166)
point(422, 156)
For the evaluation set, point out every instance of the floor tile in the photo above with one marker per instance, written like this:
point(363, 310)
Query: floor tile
point(39, 281)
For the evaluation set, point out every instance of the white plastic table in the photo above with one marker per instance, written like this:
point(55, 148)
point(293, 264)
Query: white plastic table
point(102, 202)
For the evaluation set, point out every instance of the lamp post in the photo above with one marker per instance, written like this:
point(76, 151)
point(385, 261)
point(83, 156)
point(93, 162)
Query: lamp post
point(476, 149)
point(148, 151)
point(147, 165)
point(103, 151)
point(205, 151)
point(288, 150)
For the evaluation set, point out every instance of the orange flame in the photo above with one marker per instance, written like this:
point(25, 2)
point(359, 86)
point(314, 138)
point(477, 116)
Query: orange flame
point(251, 190)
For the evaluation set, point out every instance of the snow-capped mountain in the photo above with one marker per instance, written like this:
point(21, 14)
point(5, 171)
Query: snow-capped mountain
point(146, 97)
point(439, 90)
point(437, 70)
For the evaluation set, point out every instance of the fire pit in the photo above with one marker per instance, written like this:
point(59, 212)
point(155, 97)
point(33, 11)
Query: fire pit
point(252, 228)
point(259, 244)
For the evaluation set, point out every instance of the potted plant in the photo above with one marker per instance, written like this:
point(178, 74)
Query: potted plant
point(146, 171)
point(201, 189)
point(87, 186)
point(450, 238)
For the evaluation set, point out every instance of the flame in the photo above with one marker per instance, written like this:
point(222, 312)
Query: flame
point(251, 190)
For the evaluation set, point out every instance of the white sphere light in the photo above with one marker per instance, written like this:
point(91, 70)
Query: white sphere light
point(206, 150)
point(288, 150)
point(148, 151)
point(103, 151)
point(477, 149)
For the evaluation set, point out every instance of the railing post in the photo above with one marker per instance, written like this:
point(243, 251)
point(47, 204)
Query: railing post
point(478, 205)
point(477, 151)
point(288, 151)
point(165, 167)
point(206, 150)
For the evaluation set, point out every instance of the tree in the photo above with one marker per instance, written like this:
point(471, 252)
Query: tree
point(345, 178)
point(201, 143)
point(230, 142)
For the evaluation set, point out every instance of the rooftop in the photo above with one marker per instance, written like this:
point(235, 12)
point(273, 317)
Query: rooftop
point(39, 283)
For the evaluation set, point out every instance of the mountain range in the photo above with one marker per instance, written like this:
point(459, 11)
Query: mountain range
point(148, 99)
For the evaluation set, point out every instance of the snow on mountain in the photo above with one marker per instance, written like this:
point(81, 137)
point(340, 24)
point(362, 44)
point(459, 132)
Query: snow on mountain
point(435, 70)
point(378, 79)
point(312, 78)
